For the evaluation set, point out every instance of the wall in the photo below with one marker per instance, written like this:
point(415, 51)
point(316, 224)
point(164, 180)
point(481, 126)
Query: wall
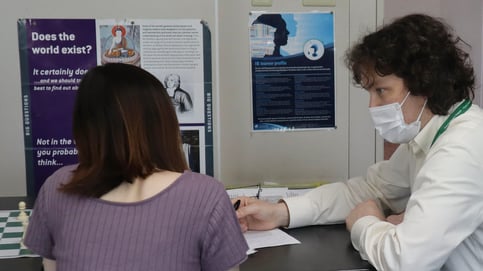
point(465, 16)
point(292, 157)
point(241, 156)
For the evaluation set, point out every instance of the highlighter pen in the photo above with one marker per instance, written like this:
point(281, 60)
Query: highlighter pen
point(236, 205)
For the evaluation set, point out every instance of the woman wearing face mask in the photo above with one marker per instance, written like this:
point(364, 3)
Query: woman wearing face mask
point(421, 85)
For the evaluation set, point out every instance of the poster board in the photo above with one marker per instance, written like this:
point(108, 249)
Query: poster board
point(56, 53)
point(292, 70)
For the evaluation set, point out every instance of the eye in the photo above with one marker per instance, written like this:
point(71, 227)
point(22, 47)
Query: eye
point(380, 91)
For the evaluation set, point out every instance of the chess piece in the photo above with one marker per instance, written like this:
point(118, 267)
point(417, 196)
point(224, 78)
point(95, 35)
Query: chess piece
point(25, 224)
point(21, 207)
point(24, 218)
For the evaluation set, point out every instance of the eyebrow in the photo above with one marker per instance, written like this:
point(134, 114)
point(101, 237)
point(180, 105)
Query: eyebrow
point(367, 86)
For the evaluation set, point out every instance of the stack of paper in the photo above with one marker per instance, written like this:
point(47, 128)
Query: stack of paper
point(271, 194)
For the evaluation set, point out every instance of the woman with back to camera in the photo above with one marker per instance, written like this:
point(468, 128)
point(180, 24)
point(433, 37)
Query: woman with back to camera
point(131, 203)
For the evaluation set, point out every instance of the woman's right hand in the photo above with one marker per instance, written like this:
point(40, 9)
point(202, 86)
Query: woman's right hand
point(255, 214)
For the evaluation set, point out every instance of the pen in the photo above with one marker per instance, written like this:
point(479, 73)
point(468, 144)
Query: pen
point(259, 190)
point(236, 205)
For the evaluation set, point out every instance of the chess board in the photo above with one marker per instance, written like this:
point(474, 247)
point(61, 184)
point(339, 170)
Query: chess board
point(11, 232)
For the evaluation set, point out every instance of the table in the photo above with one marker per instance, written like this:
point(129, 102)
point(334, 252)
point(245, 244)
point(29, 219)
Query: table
point(322, 248)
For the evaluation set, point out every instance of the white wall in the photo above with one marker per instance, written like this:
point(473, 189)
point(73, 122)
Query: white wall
point(292, 157)
point(397, 8)
point(466, 18)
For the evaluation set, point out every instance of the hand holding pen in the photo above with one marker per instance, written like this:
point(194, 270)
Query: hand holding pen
point(255, 214)
point(236, 205)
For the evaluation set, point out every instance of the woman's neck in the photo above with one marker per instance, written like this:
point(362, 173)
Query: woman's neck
point(141, 189)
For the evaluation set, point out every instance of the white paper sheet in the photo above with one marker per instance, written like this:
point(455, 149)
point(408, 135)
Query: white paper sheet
point(270, 238)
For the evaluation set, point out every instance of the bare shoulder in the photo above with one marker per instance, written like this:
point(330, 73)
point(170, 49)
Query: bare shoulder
point(142, 189)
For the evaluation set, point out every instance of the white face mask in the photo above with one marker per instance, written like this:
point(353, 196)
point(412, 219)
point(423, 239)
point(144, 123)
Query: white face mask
point(389, 122)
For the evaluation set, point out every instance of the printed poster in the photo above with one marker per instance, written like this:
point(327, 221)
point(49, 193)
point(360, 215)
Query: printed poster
point(292, 70)
point(56, 53)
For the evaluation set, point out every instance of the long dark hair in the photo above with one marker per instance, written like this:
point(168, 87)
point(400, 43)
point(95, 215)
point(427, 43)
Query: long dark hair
point(124, 127)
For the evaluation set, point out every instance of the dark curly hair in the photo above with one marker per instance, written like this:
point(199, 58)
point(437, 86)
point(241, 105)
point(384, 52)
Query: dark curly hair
point(423, 51)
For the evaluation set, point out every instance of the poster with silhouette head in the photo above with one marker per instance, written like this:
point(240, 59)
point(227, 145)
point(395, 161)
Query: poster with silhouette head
point(292, 68)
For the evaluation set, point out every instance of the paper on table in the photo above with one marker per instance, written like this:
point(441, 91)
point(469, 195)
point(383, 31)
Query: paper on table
point(271, 194)
point(270, 238)
point(268, 194)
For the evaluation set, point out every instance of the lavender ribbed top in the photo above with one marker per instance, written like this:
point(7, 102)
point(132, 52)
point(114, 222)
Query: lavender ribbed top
point(191, 225)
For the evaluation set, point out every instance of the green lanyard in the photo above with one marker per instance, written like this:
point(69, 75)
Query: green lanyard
point(462, 108)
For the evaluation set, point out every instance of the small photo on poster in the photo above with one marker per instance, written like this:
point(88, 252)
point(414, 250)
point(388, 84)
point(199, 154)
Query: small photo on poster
point(120, 44)
point(194, 148)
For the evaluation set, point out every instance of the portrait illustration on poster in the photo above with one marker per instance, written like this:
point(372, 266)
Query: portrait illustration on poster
point(181, 99)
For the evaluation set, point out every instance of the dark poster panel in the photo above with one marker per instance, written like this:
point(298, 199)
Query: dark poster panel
point(293, 73)
point(54, 56)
